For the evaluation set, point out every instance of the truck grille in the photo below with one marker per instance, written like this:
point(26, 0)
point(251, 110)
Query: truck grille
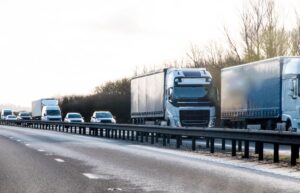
point(194, 118)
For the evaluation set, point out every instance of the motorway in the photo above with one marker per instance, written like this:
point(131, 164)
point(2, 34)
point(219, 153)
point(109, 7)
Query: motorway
point(35, 161)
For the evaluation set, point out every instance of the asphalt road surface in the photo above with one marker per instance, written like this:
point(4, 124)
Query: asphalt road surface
point(39, 161)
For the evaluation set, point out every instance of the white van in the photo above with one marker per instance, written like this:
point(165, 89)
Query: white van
point(51, 113)
point(5, 113)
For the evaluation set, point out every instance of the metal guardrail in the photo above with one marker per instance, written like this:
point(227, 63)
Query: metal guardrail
point(142, 133)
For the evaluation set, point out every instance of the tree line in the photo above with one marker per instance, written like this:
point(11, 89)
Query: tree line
point(262, 35)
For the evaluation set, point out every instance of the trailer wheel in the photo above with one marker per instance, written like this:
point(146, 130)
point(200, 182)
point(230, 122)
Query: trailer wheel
point(288, 126)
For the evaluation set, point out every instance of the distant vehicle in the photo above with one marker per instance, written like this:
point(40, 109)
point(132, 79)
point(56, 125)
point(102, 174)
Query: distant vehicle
point(24, 116)
point(177, 97)
point(11, 118)
point(74, 118)
point(46, 110)
point(265, 93)
point(102, 117)
point(6, 112)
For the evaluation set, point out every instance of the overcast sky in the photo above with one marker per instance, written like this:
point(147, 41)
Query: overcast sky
point(62, 47)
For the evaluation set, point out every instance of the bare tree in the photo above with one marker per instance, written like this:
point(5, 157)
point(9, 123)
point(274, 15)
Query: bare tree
point(274, 38)
point(295, 38)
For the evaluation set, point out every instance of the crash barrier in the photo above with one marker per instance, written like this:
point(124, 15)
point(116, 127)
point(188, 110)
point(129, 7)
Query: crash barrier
point(240, 138)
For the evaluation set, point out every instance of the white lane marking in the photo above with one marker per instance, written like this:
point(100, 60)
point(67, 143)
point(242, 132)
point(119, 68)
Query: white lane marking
point(91, 176)
point(41, 150)
point(59, 160)
point(18, 140)
point(27, 144)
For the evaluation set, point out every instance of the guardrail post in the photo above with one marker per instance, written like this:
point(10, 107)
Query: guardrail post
point(136, 135)
point(96, 131)
point(233, 147)
point(276, 153)
point(132, 135)
point(123, 134)
point(142, 137)
point(178, 141)
point(207, 142)
point(212, 145)
point(294, 156)
point(156, 137)
point(256, 148)
point(246, 149)
point(260, 150)
point(152, 138)
point(194, 143)
point(168, 139)
point(164, 140)
point(239, 145)
point(223, 144)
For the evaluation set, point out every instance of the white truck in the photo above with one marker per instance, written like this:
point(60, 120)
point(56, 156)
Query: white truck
point(46, 110)
point(178, 97)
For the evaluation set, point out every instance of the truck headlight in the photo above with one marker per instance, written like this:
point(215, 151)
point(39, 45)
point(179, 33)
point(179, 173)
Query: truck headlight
point(212, 122)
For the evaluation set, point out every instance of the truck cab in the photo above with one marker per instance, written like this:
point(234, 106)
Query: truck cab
point(5, 113)
point(190, 99)
point(291, 93)
point(51, 113)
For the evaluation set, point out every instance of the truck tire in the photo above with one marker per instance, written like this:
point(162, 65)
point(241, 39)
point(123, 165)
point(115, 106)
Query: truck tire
point(288, 125)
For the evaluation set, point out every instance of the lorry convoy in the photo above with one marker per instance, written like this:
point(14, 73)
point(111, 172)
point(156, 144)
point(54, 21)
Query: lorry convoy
point(46, 110)
point(264, 92)
point(178, 97)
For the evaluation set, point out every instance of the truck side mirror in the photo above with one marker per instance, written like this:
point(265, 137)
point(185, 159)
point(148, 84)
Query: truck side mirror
point(294, 89)
point(170, 94)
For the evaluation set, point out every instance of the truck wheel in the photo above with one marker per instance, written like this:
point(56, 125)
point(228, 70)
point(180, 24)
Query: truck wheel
point(288, 126)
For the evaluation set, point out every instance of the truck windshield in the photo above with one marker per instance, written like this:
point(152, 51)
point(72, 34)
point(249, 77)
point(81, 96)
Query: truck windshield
point(5, 113)
point(24, 114)
point(103, 115)
point(53, 112)
point(191, 92)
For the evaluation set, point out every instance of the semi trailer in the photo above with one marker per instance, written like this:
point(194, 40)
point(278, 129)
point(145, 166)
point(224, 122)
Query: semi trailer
point(178, 97)
point(265, 93)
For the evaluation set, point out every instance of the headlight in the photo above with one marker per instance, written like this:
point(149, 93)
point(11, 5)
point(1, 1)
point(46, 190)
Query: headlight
point(212, 122)
point(113, 121)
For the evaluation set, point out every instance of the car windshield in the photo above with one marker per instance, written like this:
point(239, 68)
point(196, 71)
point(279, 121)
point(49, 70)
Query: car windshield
point(53, 112)
point(104, 115)
point(24, 114)
point(190, 92)
point(74, 116)
point(7, 113)
point(11, 116)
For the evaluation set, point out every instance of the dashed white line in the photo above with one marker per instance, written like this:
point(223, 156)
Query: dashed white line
point(59, 160)
point(91, 176)
point(27, 144)
point(18, 140)
point(41, 150)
